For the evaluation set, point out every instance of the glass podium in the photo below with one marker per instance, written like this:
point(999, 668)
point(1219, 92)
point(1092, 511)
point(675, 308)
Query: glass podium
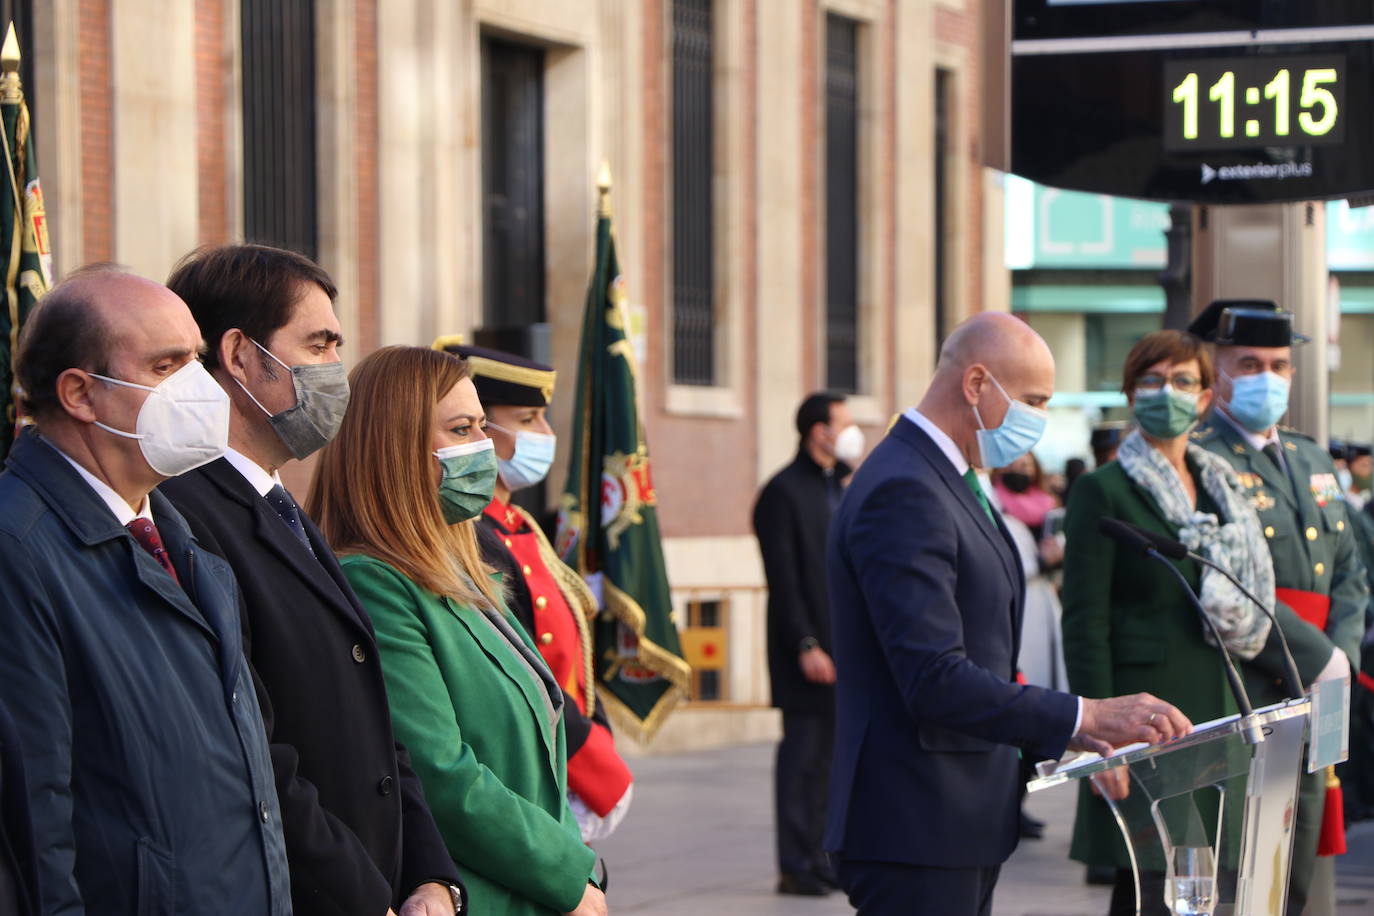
point(1209, 816)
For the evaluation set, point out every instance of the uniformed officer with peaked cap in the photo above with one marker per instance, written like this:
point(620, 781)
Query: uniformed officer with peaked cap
point(1292, 484)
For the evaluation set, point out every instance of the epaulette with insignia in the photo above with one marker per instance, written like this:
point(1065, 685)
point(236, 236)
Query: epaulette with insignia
point(1290, 431)
point(1203, 433)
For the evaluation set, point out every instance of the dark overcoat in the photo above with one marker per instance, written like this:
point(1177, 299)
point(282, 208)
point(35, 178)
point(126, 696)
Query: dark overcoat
point(147, 763)
point(359, 835)
point(791, 517)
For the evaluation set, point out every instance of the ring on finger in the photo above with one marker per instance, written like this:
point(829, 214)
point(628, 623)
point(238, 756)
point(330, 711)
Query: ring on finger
point(1151, 720)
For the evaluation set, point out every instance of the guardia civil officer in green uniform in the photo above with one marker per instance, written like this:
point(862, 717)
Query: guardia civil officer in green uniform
point(1292, 484)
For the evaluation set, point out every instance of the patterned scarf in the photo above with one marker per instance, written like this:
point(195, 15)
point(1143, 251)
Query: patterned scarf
point(1236, 545)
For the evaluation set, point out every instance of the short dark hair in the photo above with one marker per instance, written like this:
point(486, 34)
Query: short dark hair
point(816, 409)
point(1175, 347)
point(249, 287)
point(65, 331)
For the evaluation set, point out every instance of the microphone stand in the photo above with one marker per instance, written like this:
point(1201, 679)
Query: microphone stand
point(1295, 689)
point(1253, 734)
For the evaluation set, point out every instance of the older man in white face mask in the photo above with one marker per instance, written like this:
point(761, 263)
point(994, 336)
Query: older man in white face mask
point(121, 663)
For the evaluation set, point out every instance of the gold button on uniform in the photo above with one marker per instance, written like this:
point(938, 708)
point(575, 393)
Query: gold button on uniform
point(526, 570)
point(1311, 534)
point(1319, 569)
point(1268, 531)
point(541, 602)
point(545, 639)
point(1340, 526)
point(508, 542)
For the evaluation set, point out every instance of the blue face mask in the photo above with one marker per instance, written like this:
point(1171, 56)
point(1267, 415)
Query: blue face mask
point(1021, 428)
point(1258, 401)
point(532, 459)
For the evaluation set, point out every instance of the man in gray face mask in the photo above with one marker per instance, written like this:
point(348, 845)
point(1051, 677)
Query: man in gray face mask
point(359, 836)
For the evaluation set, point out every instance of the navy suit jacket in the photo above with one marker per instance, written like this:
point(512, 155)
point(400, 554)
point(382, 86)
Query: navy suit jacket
point(926, 597)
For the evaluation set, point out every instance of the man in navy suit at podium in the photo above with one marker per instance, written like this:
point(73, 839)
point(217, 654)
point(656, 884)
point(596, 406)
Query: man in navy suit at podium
point(926, 593)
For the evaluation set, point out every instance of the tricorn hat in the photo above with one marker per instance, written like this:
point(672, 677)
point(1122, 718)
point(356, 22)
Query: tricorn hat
point(1245, 323)
point(503, 378)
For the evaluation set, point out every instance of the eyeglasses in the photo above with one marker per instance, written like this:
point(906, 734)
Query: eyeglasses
point(1188, 384)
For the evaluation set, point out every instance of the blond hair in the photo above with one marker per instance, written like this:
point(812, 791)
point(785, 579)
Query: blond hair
point(374, 491)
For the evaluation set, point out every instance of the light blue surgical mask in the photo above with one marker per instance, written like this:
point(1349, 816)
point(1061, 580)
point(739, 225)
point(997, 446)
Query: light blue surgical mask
point(1021, 429)
point(468, 480)
point(1258, 401)
point(532, 459)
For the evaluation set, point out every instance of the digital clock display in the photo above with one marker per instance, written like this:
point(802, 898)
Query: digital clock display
point(1216, 104)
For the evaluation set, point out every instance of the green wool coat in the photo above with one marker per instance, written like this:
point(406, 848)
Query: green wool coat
point(1128, 628)
point(474, 720)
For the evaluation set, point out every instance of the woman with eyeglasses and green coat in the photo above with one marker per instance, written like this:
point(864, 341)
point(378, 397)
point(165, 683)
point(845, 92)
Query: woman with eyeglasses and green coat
point(1127, 625)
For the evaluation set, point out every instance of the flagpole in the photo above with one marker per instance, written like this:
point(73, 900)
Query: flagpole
point(603, 187)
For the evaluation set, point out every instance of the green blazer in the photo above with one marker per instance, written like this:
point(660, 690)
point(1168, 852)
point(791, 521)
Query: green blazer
point(1128, 628)
point(475, 722)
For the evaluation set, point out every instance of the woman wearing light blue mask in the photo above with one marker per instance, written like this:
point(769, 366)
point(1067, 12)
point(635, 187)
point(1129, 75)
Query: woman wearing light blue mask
point(1126, 625)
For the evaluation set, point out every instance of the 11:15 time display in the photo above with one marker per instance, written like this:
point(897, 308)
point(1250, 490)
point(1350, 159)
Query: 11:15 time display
point(1254, 102)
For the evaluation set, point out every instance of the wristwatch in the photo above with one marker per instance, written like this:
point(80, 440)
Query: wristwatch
point(810, 643)
point(457, 893)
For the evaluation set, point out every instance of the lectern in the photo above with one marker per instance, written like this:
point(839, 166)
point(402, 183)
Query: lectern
point(1180, 815)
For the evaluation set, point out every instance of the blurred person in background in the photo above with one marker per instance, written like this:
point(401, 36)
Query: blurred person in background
point(1023, 492)
point(396, 494)
point(1105, 438)
point(791, 518)
point(1040, 660)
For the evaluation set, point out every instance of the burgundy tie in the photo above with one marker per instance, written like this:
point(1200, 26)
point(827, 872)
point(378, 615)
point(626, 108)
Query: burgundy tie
point(145, 532)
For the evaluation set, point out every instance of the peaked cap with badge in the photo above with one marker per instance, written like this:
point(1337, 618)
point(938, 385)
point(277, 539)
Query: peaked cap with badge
point(503, 378)
point(1292, 485)
point(1245, 323)
point(547, 596)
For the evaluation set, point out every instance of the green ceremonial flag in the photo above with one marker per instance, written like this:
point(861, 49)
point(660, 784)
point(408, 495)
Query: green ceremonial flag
point(608, 518)
point(23, 229)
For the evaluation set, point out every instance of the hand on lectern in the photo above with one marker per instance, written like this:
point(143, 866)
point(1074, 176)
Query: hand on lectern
point(1116, 721)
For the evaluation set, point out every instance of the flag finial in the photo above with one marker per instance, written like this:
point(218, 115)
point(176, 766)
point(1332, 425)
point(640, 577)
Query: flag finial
point(603, 187)
point(10, 90)
point(9, 54)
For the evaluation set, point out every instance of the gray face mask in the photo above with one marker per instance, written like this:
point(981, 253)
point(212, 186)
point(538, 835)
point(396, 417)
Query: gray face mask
point(321, 399)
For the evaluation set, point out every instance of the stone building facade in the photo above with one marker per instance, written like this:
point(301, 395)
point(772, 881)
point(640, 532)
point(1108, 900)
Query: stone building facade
point(818, 163)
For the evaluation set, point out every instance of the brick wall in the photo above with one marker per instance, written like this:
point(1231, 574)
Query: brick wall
point(212, 96)
point(961, 28)
point(369, 272)
point(97, 134)
point(703, 466)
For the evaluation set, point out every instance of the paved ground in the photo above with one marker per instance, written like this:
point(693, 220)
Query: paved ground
point(699, 840)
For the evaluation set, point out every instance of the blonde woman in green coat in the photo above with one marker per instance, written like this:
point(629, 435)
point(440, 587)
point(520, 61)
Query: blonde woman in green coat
point(1127, 626)
point(470, 697)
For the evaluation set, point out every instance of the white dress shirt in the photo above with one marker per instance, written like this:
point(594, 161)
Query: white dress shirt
point(117, 505)
point(961, 466)
point(1256, 440)
point(254, 473)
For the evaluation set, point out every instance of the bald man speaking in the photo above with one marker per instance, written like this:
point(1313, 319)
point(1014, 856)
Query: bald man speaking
point(926, 593)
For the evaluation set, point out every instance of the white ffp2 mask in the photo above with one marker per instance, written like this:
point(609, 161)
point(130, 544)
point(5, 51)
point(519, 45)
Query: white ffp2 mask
point(183, 423)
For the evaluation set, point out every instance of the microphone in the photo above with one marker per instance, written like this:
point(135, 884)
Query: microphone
point(1175, 550)
point(1135, 540)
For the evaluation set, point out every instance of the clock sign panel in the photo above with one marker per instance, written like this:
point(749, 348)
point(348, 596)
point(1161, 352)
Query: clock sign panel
point(1263, 101)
